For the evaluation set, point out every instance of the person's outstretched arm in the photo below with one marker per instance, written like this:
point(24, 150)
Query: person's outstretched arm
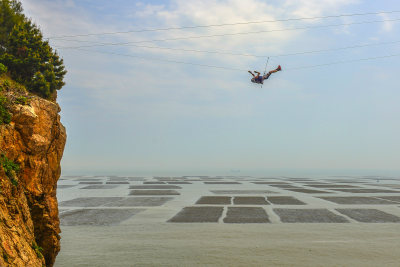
point(251, 73)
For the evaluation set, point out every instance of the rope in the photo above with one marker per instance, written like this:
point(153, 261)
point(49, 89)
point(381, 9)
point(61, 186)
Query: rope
point(226, 34)
point(226, 24)
point(265, 70)
point(164, 60)
point(231, 53)
point(266, 64)
point(342, 62)
point(236, 69)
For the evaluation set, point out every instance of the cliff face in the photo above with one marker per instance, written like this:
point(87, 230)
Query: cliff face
point(29, 223)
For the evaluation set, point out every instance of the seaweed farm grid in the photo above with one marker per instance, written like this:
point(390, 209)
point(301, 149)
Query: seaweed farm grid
point(113, 200)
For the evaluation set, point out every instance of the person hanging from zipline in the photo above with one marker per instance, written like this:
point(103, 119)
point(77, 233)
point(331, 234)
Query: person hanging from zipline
point(260, 78)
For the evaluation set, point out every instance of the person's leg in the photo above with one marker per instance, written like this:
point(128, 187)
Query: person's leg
point(276, 70)
point(273, 71)
point(266, 76)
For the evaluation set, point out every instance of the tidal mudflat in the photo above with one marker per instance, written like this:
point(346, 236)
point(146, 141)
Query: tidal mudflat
point(229, 221)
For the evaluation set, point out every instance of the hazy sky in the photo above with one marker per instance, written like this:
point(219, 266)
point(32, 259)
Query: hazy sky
point(140, 114)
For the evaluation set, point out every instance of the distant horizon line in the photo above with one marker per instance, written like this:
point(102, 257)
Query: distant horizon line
point(240, 172)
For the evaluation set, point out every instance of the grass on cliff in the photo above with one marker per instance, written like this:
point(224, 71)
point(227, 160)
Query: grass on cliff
point(37, 249)
point(5, 116)
point(11, 93)
point(5, 257)
point(10, 168)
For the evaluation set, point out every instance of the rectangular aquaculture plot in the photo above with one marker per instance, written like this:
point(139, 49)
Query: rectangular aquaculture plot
point(250, 201)
point(154, 187)
point(271, 183)
point(198, 215)
point(135, 179)
point(153, 192)
point(118, 179)
point(100, 186)
point(214, 200)
point(89, 201)
point(369, 215)
point(308, 191)
point(284, 200)
point(246, 215)
point(357, 200)
point(389, 186)
point(242, 192)
point(347, 181)
point(140, 201)
point(285, 186)
point(96, 216)
point(329, 186)
point(117, 182)
point(366, 190)
point(64, 186)
point(395, 199)
point(309, 216)
point(314, 183)
point(221, 183)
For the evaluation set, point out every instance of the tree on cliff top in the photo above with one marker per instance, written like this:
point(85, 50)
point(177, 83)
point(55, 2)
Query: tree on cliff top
point(30, 59)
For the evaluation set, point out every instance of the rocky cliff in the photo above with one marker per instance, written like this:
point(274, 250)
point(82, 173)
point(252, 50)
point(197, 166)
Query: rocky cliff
point(29, 223)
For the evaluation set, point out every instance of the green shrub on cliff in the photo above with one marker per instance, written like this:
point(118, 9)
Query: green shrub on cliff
point(38, 250)
point(3, 69)
point(6, 84)
point(5, 257)
point(5, 116)
point(30, 60)
point(22, 100)
point(9, 167)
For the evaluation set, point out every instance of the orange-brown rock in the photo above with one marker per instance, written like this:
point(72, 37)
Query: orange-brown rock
point(35, 139)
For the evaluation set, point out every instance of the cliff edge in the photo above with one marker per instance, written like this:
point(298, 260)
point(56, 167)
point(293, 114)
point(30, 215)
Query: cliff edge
point(29, 223)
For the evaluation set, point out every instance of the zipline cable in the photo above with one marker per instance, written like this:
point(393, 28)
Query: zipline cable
point(342, 62)
point(236, 69)
point(227, 34)
point(266, 56)
point(161, 60)
point(225, 24)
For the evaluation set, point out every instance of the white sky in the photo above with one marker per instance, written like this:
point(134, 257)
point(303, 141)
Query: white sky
point(139, 116)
